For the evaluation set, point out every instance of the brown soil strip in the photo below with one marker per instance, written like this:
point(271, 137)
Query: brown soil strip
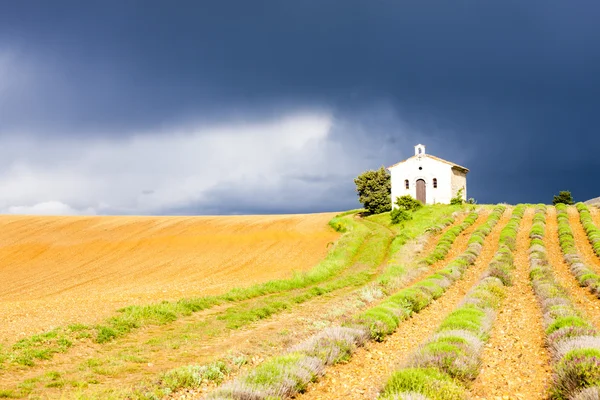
point(515, 362)
point(586, 302)
point(584, 248)
point(370, 367)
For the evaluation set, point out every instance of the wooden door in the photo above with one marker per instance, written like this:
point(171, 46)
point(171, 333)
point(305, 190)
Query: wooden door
point(421, 195)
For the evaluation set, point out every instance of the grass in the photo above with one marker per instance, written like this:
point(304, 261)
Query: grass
point(190, 376)
point(38, 347)
point(431, 218)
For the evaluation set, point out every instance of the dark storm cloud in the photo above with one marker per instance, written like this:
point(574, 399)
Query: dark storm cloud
point(509, 89)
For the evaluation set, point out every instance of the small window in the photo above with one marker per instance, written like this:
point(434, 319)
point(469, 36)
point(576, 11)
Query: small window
point(435, 183)
point(406, 183)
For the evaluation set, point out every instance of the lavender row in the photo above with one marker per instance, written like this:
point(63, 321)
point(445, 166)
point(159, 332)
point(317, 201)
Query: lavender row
point(286, 375)
point(592, 231)
point(573, 342)
point(442, 368)
point(584, 274)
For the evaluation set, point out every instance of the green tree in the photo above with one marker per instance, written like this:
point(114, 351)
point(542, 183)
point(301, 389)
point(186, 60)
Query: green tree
point(563, 197)
point(374, 189)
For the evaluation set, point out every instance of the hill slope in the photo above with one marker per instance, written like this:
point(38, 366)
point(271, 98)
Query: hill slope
point(58, 270)
point(594, 202)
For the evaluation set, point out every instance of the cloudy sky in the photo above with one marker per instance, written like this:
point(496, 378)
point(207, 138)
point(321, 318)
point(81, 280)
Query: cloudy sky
point(229, 107)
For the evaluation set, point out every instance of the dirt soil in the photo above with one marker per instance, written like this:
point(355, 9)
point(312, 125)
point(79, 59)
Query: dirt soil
point(369, 368)
point(584, 248)
point(60, 270)
point(586, 302)
point(515, 362)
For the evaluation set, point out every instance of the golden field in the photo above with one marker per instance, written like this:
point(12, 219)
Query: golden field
point(60, 270)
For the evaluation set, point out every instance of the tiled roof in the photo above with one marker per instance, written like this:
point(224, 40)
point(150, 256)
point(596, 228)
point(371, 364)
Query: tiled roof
point(434, 158)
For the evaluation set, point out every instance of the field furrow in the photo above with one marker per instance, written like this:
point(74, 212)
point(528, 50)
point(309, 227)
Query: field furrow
point(515, 362)
point(570, 337)
point(61, 270)
point(582, 243)
point(585, 301)
point(364, 375)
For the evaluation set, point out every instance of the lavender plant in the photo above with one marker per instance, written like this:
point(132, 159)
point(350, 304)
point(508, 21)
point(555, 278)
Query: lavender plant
point(584, 274)
point(592, 231)
point(442, 367)
point(574, 343)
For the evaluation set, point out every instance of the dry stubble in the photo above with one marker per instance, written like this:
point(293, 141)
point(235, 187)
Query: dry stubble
point(60, 270)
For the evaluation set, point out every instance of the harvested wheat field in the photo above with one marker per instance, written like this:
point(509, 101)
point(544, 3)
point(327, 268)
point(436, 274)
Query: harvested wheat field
point(60, 270)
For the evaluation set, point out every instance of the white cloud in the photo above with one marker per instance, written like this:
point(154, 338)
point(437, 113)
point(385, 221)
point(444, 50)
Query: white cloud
point(49, 208)
point(154, 171)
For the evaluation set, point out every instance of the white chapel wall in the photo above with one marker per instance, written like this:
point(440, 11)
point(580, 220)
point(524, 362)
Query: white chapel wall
point(459, 180)
point(430, 169)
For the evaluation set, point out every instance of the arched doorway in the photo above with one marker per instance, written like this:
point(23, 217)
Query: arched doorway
point(421, 195)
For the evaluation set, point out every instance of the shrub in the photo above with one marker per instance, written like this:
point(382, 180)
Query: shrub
point(568, 321)
point(577, 370)
point(374, 189)
point(427, 381)
point(458, 199)
point(332, 345)
point(280, 377)
point(408, 203)
point(563, 197)
point(585, 275)
point(591, 230)
point(404, 207)
point(398, 215)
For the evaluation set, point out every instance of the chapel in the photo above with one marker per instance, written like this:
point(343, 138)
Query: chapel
point(428, 178)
